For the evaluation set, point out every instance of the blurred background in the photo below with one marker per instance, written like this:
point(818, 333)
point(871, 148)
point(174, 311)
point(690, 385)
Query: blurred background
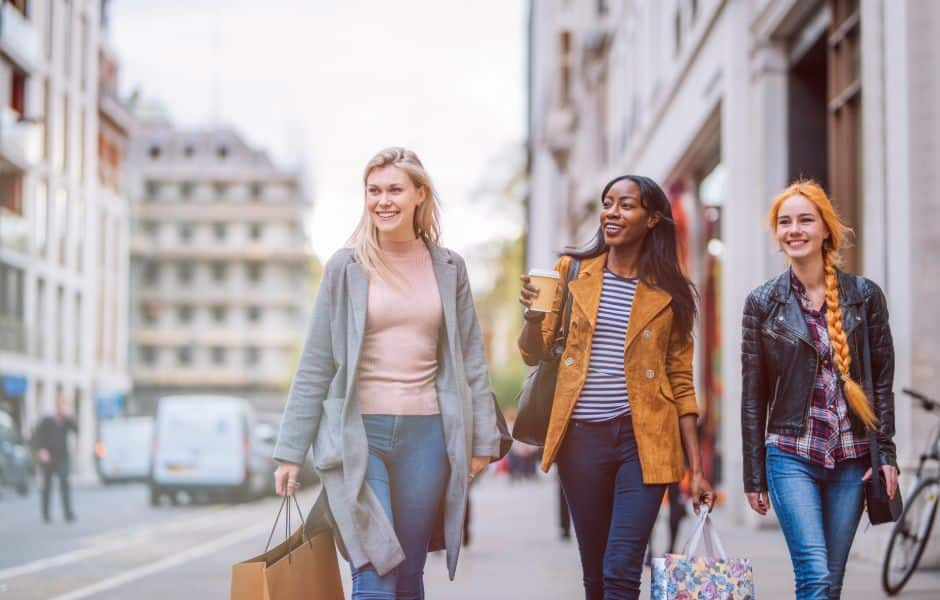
point(174, 174)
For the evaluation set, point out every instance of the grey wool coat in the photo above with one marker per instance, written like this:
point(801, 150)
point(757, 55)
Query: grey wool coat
point(323, 410)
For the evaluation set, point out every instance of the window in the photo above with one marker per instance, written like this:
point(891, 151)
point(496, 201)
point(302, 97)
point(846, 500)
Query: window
point(252, 355)
point(151, 272)
point(254, 314)
point(150, 313)
point(188, 151)
point(222, 152)
point(184, 355)
point(77, 340)
point(186, 232)
point(18, 92)
point(150, 228)
point(154, 152)
point(219, 270)
point(148, 355)
point(255, 230)
point(256, 190)
point(11, 188)
point(219, 230)
point(218, 313)
point(254, 272)
point(185, 313)
point(186, 190)
point(218, 355)
point(152, 190)
point(184, 272)
point(221, 190)
point(677, 32)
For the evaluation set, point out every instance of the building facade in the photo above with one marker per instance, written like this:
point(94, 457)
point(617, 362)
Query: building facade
point(61, 251)
point(221, 267)
point(724, 102)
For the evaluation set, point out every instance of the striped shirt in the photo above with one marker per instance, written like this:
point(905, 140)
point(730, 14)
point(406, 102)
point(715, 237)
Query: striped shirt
point(604, 395)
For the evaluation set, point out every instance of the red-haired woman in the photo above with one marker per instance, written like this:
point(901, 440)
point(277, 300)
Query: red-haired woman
point(810, 337)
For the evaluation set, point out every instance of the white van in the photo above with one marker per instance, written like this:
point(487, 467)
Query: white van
point(123, 449)
point(205, 446)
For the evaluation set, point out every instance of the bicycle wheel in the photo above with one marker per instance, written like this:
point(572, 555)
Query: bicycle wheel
point(910, 535)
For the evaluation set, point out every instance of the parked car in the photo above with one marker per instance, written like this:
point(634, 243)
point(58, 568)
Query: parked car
point(16, 464)
point(207, 446)
point(122, 451)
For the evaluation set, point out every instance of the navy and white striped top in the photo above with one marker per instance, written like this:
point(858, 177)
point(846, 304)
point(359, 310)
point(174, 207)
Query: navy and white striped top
point(604, 395)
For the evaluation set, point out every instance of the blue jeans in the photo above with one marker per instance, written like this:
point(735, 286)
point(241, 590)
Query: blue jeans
point(408, 471)
point(819, 510)
point(613, 511)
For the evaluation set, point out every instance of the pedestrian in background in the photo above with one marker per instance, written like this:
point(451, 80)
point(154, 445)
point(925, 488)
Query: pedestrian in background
point(624, 405)
point(392, 387)
point(806, 336)
point(51, 444)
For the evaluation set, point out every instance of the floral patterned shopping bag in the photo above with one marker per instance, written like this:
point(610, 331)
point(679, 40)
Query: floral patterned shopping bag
point(688, 576)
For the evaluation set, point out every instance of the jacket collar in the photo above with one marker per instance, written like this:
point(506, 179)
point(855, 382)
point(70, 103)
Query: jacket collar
point(648, 301)
point(848, 288)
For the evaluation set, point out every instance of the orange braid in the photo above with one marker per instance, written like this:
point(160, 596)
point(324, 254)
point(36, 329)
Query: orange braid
point(854, 394)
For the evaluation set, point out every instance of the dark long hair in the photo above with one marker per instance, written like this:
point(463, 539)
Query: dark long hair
point(659, 260)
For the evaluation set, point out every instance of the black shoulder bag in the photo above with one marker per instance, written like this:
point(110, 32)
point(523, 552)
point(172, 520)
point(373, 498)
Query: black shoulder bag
point(881, 509)
point(538, 391)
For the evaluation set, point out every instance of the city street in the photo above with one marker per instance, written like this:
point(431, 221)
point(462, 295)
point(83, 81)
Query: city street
point(121, 548)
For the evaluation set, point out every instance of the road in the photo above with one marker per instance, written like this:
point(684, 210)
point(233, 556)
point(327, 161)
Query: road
point(122, 548)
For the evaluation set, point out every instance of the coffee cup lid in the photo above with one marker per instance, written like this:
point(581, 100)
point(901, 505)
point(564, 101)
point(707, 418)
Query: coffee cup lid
point(544, 273)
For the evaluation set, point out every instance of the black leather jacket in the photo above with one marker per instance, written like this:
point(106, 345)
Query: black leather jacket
point(779, 361)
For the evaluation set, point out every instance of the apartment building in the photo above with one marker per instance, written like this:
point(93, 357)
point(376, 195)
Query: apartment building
point(221, 267)
point(61, 258)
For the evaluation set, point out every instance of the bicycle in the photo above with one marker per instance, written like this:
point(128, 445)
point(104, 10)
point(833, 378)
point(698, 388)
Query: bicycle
point(912, 531)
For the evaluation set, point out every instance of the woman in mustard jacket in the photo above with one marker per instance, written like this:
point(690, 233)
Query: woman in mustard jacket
point(624, 406)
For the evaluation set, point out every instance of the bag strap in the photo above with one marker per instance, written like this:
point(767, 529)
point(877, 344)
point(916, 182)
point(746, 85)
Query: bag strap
point(705, 527)
point(874, 448)
point(287, 529)
point(561, 328)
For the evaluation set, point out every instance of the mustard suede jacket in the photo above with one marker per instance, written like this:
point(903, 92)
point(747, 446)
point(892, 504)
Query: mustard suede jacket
point(657, 364)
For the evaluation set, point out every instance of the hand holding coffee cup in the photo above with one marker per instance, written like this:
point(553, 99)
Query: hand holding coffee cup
point(538, 292)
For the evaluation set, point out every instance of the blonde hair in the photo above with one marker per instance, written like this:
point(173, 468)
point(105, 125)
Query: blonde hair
point(427, 218)
point(855, 396)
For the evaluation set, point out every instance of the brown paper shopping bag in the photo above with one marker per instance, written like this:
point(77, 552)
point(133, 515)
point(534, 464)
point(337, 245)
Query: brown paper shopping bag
point(303, 567)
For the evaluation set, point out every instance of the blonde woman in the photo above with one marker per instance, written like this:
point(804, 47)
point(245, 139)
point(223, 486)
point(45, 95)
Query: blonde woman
point(392, 388)
point(812, 338)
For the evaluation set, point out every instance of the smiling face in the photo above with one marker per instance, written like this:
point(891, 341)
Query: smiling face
point(800, 229)
point(392, 198)
point(624, 220)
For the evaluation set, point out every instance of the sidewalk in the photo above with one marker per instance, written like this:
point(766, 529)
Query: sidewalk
point(517, 553)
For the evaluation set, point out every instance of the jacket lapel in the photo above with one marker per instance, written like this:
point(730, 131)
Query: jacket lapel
point(647, 303)
point(445, 272)
point(357, 281)
point(586, 289)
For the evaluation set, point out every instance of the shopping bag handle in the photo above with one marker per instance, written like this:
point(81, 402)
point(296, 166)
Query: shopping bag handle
point(705, 527)
point(303, 529)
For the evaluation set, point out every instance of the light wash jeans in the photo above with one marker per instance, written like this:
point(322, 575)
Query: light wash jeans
point(408, 471)
point(819, 510)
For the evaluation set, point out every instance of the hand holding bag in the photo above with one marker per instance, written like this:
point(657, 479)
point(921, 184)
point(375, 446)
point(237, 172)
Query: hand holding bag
point(688, 576)
point(538, 391)
point(303, 567)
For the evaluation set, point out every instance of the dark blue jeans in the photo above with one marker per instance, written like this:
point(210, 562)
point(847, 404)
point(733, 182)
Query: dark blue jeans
point(613, 511)
point(408, 471)
point(818, 510)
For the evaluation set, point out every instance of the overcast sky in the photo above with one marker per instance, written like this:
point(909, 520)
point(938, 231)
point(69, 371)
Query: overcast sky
point(324, 84)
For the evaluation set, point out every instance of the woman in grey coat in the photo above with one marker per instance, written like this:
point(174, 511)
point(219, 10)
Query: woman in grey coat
point(392, 388)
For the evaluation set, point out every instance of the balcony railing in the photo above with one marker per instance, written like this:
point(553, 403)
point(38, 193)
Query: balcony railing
point(20, 141)
point(19, 39)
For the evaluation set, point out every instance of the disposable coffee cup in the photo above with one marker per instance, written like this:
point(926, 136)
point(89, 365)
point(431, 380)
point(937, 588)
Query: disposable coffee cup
point(547, 282)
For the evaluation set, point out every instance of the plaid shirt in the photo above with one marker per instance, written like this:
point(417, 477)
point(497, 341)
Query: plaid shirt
point(828, 438)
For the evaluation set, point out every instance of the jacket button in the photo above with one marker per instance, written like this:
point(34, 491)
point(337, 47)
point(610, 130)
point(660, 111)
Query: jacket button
point(650, 374)
point(569, 361)
point(647, 334)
